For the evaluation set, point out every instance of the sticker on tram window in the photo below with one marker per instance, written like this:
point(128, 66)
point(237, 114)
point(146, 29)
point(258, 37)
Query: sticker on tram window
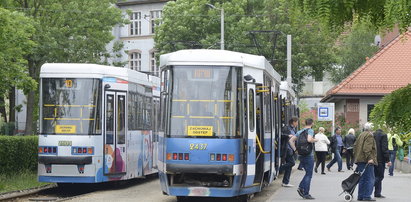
point(198, 146)
point(200, 130)
point(65, 143)
point(67, 129)
point(69, 83)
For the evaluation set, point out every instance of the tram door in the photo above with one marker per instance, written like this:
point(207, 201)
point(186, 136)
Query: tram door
point(251, 135)
point(115, 133)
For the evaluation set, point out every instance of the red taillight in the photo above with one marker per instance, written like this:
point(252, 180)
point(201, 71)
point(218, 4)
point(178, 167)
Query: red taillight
point(218, 157)
point(85, 150)
point(186, 157)
point(180, 156)
point(174, 156)
point(79, 150)
point(50, 150)
point(45, 149)
point(224, 157)
point(54, 149)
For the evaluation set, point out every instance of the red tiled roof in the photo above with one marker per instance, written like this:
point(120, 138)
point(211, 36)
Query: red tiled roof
point(386, 71)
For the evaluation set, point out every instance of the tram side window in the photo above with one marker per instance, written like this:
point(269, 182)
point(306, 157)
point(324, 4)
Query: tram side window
point(140, 107)
point(110, 119)
point(251, 109)
point(132, 109)
point(121, 119)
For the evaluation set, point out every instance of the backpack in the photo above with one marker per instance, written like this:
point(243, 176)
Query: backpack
point(304, 148)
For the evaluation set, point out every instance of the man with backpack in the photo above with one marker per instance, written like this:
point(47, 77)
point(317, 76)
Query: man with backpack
point(394, 142)
point(302, 143)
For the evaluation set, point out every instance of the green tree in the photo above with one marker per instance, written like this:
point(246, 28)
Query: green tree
point(354, 49)
point(382, 13)
point(191, 24)
point(66, 31)
point(16, 31)
point(394, 111)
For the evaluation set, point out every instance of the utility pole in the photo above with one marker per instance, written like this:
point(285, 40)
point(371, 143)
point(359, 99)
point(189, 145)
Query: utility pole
point(289, 80)
point(222, 24)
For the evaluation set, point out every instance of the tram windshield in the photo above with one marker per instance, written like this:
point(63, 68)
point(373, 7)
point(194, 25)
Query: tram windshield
point(71, 106)
point(204, 101)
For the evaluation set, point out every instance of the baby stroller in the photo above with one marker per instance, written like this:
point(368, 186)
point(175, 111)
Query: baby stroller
point(349, 184)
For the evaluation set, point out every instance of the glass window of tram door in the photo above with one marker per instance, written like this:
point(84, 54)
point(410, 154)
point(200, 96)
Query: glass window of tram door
point(70, 106)
point(203, 101)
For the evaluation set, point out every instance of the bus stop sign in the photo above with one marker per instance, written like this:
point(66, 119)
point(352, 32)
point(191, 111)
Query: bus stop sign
point(325, 112)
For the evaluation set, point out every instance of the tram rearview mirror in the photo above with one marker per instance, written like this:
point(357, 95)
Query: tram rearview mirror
point(249, 78)
point(107, 86)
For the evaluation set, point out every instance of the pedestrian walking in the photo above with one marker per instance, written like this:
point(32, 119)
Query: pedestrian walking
point(348, 142)
point(365, 154)
point(383, 157)
point(290, 131)
point(304, 147)
point(321, 149)
point(336, 147)
point(394, 142)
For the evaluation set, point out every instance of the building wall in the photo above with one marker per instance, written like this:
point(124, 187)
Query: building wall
point(364, 108)
point(340, 107)
point(144, 42)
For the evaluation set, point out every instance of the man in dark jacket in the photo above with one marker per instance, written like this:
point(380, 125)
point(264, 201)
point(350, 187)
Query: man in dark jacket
point(336, 147)
point(349, 141)
point(288, 153)
point(383, 157)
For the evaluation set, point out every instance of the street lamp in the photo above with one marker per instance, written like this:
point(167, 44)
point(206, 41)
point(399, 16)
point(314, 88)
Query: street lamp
point(222, 24)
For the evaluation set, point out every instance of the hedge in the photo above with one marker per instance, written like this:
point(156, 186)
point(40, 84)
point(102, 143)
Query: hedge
point(18, 153)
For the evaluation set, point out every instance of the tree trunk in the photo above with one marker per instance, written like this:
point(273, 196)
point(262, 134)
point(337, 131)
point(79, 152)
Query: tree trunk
point(34, 72)
point(3, 108)
point(30, 113)
point(12, 110)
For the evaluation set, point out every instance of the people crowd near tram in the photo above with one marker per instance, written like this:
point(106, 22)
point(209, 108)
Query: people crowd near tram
point(371, 152)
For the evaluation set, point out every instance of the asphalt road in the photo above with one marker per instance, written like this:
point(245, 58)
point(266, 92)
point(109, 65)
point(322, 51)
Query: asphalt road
point(324, 188)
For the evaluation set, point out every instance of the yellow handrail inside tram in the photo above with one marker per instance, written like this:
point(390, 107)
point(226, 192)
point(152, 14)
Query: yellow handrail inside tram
point(259, 145)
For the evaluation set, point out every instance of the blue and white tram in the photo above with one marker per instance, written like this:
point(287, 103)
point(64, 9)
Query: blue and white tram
point(221, 119)
point(97, 123)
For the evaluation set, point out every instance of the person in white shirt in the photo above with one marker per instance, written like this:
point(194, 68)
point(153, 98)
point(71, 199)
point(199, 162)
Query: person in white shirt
point(321, 149)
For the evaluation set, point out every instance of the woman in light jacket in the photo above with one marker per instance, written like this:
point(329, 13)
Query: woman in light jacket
point(321, 149)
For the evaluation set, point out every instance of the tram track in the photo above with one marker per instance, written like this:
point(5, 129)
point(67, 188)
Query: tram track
point(69, 191)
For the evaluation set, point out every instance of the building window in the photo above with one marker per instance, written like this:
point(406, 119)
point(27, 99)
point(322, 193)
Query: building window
point(135, 61)
point(369, 109)
point(153, 64)
point(154, 15)
point(135, 26)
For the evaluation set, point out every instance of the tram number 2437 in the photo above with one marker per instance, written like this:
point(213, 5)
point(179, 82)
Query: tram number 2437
point(198, 146)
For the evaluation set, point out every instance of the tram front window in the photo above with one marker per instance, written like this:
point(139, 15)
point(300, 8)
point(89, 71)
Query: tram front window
point(71, 106)
point(204, 101)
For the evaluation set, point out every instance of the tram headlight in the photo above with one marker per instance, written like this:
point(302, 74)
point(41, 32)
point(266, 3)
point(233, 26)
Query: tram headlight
point(168, 156)
point(212, 157)
point(40, 150)
point(90, 150)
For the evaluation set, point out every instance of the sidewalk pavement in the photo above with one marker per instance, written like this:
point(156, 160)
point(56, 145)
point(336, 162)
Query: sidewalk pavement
point(327, 187)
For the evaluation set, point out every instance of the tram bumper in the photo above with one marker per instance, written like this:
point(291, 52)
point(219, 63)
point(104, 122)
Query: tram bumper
point(190, 168)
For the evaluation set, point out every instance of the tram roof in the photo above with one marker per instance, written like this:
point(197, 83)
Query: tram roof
point(81, 70)
point(218, 57)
